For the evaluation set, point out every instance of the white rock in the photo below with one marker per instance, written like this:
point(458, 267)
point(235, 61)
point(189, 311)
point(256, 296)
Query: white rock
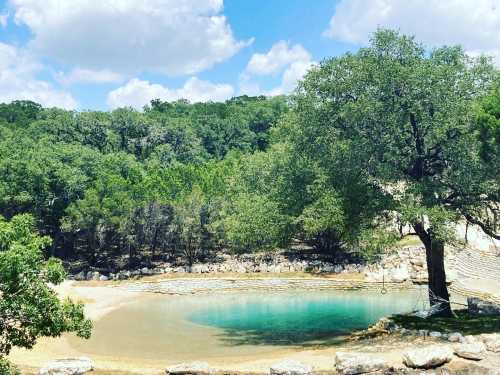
point(475, 350)
point(68, 366)
point(492, 341)
point(455, 337)
point(428, 357)
point(435, 334)
point(193, 368)
point(290, 367)
point(357, 363)
point(400, 274)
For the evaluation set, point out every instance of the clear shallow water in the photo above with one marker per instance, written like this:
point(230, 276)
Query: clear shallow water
point(299, 318)
point(236, 325)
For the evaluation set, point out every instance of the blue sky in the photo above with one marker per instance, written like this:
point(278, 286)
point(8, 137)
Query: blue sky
point(102, 54)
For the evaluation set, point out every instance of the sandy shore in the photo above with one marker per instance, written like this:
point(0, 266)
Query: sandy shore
point(100, 300)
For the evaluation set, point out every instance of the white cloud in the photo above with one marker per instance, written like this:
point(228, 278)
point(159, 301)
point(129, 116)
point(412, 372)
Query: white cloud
point(128, 36)
point(279, 56)
point(137, 93)
point(474, 24)
point(18, 81)
point(79, 75)
point(292, 62)
point(3, 20)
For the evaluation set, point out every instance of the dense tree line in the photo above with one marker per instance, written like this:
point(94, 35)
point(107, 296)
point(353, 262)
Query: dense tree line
point(393, 133)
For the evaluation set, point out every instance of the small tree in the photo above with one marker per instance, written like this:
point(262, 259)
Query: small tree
point(29, 308)
point(402, 118)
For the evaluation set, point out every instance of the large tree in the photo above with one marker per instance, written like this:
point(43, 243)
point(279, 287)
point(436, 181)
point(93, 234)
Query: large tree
point(29, 308)
point(402, 118)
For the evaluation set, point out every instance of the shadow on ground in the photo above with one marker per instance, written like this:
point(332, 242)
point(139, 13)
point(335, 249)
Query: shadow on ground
point(463, 322)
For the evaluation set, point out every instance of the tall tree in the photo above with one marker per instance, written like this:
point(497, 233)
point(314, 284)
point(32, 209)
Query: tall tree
point(401, 117)
point(29, 308)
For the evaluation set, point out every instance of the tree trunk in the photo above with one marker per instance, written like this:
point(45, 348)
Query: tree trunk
point(438, 290)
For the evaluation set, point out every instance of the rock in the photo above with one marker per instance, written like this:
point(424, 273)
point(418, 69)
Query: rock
point(476, 351)
point(400, 274)
point(290, 367)
point(80, 276)
point(103, 278)
point(477, 306)
point(199, 268)
point(93, 276)
point(429, 357)
point(193, 368)
point(357, 363)
point(492, 341)
point(435, 334)
point(69, 366)
point(455, 337)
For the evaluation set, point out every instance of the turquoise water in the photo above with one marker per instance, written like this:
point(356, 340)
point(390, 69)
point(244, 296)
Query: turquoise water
point(299, 318)
point(232, 325)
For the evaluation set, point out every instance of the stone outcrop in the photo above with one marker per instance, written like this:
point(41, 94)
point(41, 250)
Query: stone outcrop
point(357, 363)
point(428, 357)
point(475, 351)
point(492, 341)
point(192, 368)
point(68, 366)
point(456, 337)
point(290, 367)
point(405, 265)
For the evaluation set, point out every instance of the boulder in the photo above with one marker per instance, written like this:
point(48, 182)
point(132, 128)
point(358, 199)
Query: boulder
point(68, 366)
point(290, 367)
point(193, 368)
point(476, 351)
point(435, 334)
point(455, 337)
point(429, 357)
point(80, 276)
point(400, 274)
point(357, 363)
point(492, 341)
point(103, 278)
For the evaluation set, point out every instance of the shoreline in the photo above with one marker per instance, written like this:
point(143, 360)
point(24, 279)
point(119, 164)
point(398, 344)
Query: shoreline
point(101, 298)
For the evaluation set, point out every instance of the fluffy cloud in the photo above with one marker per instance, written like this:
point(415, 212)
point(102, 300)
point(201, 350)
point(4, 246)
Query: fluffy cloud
point(137, 93)
point(128, 36)
point(292, 62)
point(18, 81)
point(79, 75)
point(474, 24)
point(279, 56)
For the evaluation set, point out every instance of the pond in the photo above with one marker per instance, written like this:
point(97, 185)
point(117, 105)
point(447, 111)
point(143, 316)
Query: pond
point(237, 324)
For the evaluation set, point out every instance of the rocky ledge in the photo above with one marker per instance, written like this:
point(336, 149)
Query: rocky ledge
point(406, 264)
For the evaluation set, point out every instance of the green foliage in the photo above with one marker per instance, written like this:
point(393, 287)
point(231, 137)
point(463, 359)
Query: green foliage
point(29, 308)
point(254, 222)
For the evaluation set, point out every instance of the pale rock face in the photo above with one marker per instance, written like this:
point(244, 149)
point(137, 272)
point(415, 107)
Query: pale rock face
point(400, 274)
point(455, 337)
point(476, 351)
point(357, 363)
point(428, 357)
point(69, 366)
point(492, 341)
point(193, 368)
point(290, 367)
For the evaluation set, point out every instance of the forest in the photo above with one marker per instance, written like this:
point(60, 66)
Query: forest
point(391, 135)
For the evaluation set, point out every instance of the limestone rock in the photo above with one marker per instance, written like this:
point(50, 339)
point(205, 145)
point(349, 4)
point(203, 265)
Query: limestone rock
point(428, 357)
point(357, 363)
point(68, 366)
point(193, 368)
point(476, 351)
point(492, 341)
point(290, 367)
point(455, 337)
